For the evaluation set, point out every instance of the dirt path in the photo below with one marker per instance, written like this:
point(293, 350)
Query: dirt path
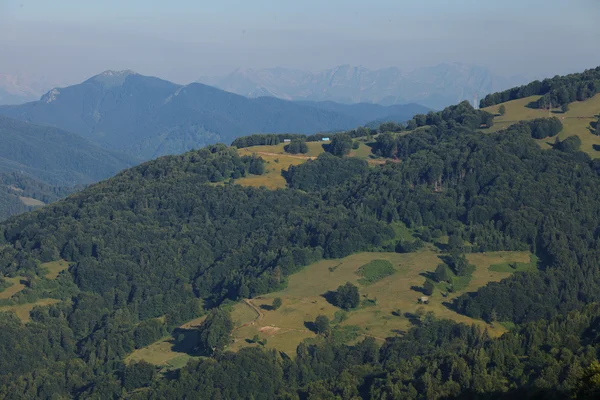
point(256, 310)
point(259, 315)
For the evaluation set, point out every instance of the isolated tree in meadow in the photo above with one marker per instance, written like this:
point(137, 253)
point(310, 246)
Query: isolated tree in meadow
point(276, 303)
point(321, 324)
point(215, 331)
point(428, 287)
point(502, 109)
point(443, 273)
point(564, 107)
point(347, 296)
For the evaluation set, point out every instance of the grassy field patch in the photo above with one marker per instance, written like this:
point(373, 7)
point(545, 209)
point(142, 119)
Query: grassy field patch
point(511, 267)
point(303, 298)
point(54, 268)
point(275, 163)
point(375, 271)
point(577, 121)
point(16, 287)
point(174, 352)
point(29, 201)
point(22, 310)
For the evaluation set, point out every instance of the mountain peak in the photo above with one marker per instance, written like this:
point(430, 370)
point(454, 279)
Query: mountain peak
point(111, 73)
point(111, 78)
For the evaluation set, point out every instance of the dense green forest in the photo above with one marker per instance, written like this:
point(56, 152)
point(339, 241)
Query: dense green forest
point(555, 91)
point(14, 185)
point(175, 238)
point(54, 156)
point(46, 164)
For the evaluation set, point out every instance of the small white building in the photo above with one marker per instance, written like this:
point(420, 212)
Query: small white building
point(325, 139)
point(287, 140)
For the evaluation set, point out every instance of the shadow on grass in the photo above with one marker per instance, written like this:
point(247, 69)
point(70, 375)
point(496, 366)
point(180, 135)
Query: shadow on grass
point(429, 275)
point(186, 341)
point(371, 145)
point(329, 296)
point(451, 306)
point(310, 325)
point(418, 289)
point(441, 246)
point(267, 307)
point(413, 318)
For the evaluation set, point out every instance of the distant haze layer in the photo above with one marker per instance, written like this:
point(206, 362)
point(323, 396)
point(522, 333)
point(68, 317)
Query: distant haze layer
point(434, 87)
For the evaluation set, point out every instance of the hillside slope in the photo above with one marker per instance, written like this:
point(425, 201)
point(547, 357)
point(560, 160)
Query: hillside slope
point(55, 156)
point(153, 247)
point(147, 117)
point(40, 164)
point(579, 120)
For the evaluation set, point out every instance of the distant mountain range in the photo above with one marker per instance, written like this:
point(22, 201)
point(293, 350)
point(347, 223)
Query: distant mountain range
point(147, 117)
point(22, 88)
point(435, 87)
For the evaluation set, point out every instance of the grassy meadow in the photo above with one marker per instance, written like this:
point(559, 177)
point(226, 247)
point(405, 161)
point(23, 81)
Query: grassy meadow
point(276, 160)
point(54, 268)
point(303, 299)
point(22, 310)
point(29, 201)
point(576, 121)
point(15, 287)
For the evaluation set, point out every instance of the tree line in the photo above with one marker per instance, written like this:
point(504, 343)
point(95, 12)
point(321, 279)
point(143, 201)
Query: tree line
point(555, 91)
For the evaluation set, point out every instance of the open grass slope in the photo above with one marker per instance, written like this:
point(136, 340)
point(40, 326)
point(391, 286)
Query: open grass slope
point(22, 310)
point(54, 268)
point(277, 160)
point(30, 201)
point(576, 121)
point(16, 287)
point(170, 354)
point(303, 298)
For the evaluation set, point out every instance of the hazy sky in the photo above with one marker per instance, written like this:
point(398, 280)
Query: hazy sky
point(69, 40)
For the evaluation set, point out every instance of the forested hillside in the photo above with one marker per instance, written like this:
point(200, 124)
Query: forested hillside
point(555, 92)
point(40, 164)
point(162, 243)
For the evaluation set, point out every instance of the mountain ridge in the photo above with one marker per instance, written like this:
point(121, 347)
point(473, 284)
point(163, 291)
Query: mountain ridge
point(146, 117)
point(435, 87)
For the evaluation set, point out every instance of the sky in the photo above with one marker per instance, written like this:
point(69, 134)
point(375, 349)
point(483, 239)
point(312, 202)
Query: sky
point(67, 41)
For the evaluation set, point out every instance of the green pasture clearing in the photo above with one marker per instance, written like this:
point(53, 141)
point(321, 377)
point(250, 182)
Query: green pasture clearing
point(511, 267)
point(54, 268)
point(22, 310)
point(303, 298)
point(577, 121)
point(16, 287)
point(275, 163)
point(171, 354)
point(29, 201)
point(375, 271)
